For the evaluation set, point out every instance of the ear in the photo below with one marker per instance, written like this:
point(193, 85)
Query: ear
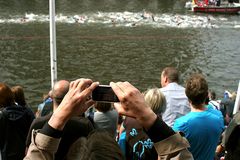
point(190, 102)
point(165, 79)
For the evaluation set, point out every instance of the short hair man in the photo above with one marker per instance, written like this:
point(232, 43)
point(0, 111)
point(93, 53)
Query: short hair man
point(75, 128)
point(177, 101)
point(202, 126)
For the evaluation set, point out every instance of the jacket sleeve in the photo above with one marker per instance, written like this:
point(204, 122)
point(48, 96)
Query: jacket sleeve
point(173, 147)
point(42, 147)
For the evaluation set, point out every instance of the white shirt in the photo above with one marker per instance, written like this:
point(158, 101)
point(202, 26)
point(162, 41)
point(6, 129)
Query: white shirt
point(214, 104)
point(177, 103)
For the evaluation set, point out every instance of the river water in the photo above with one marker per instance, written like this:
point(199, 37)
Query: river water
point(116, 40)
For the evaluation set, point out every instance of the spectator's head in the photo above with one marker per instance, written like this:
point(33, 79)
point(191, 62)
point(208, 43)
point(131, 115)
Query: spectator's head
point(59, 90)
point(19, 95)
point(156, 100)
point(211, 95)
point(196, 90)
point(6, 96)
point(103, 107)
point(101, 145)
point(98, 145)
point(48, 95)
point(233, 96)
point(169, 75)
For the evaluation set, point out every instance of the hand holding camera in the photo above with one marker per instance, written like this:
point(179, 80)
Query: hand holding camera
point(104, 93)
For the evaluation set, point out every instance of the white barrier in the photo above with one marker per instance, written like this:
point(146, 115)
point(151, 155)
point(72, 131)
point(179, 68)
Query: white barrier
point(237, 101)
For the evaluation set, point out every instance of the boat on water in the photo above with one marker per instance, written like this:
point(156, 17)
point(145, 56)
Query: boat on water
point(214, 7)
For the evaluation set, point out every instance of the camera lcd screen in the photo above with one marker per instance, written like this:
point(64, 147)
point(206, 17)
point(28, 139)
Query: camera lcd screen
point(104, 93)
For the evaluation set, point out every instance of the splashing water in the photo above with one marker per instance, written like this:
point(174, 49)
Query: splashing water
point(131, 19)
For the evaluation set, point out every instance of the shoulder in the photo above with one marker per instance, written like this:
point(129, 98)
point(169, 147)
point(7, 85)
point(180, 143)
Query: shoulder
point(173, 87)
point(215, 112)
point(79, 125)
point(40, 121)
point(182, 122)
point(112, 113)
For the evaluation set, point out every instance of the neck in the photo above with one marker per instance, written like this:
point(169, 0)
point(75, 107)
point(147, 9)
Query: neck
point(198, 108)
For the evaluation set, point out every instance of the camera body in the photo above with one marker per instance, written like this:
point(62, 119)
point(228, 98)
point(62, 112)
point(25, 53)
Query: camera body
point(104, 93)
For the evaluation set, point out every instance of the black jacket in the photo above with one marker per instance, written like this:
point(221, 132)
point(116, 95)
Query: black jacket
point(15, 121)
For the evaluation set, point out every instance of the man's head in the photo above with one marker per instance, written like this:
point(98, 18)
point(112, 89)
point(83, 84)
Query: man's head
point(196, 90)
point(59, 90)
point(103, 107)
point(169, 75)
point(6, 96)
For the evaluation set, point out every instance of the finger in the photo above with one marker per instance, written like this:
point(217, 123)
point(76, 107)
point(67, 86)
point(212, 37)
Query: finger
point(85, 107)
point(118, 90)
point(71, 84)
point(88, 91)
point(127, 86)
point(84, 83)
point(75, 83)
point(123, 111)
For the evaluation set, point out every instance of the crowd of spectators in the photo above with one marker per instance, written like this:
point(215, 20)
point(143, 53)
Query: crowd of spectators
point(170, 122)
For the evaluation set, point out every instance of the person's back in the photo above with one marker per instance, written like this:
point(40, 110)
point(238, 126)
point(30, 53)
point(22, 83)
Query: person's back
point(202, 130)
point(202, 127)
point(177, 101)
point(106, 117)
point(227, 105)
point(75, 128)
point(138, 144)
point(15, 121)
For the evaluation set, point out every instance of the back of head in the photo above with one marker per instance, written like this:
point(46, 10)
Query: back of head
point(19, 95)
point(196, 89)
point(156, 100)
point(233, 96)
point(59, 90)
point(6, 96)
point(101, 145)
point(211, 95)
point(171, 73)
point(103, 107)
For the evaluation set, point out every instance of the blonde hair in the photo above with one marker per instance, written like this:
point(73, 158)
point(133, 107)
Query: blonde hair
point(156, 100)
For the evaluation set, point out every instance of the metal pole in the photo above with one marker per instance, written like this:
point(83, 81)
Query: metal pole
point(237, 101)
point(53, 53)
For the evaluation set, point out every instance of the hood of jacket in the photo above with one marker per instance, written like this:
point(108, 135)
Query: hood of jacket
point(14, 112)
